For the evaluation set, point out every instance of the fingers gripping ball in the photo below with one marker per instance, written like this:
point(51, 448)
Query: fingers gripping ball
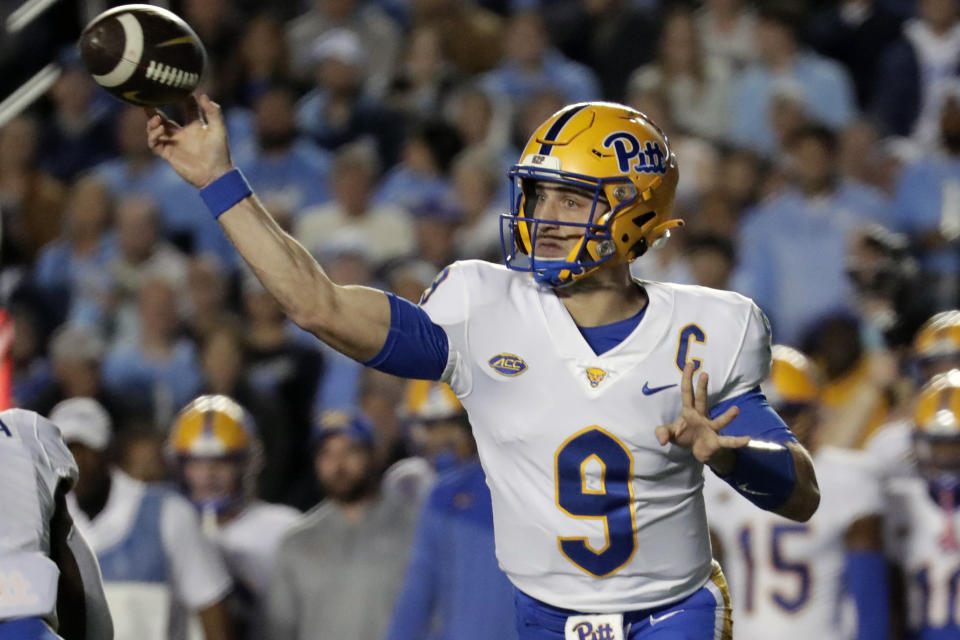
point(142, 54)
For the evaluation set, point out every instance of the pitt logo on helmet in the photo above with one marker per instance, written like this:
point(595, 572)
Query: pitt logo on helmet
point(649, 157)
point(507, 364)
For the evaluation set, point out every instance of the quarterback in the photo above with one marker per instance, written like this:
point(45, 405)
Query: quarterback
point(577, 379)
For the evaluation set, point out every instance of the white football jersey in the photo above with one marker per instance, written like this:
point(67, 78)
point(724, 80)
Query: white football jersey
point(590, 512)
point(787, 576)
point(250, 541)
point(33, 461)
point(931, 567)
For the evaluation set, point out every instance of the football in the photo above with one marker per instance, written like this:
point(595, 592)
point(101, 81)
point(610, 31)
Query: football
point(142, 54)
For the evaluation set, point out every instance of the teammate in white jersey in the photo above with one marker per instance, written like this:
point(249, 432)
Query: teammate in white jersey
point(923, 516)
point(792, 577)
point(217, 456)
point(49, 578)
point(578, 381)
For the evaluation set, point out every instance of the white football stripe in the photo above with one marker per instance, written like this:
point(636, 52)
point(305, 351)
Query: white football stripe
point(132, 52)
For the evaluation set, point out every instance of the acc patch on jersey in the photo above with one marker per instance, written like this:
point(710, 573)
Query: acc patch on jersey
point(508, 364)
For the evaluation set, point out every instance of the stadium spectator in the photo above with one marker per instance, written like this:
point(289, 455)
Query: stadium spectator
point(219, 26)
point(425, 77)
point(286, 367)
point(710, 259)
point(263, 61)
point(339, 571)
point(611, 37)
point(77, 136)
point(76, 354)
point(805, 229)
point(531, 65)
point(140, 453)
point(217, 456)
point(423, 174)
point(471, 36)
point(915, 70)
point(338, 110)
point(824, 84)
point(207, 308)
point(288, 169)
point(136, 171)
point(71, 272)
point(478, 187)
point(928, 207)
point(388, 229)
point(437, 222)
point(381, 38)
point(483, 121)
point(159, 371)
point(865, 159)
point(31, 200)
point(891, 299)
point(852, 32)
point(31, 374)
point(453, 586)
point(141, 255)
point(726, 30)
point(157, 566)
point(696, 87)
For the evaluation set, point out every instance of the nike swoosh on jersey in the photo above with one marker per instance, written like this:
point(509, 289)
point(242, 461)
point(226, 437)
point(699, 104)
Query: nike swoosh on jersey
point(744, 488)
point(649, 391)
point(654, 620)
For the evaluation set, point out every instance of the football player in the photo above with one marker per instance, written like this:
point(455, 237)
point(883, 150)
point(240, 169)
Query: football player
point(578, 380)
point(791, 577)
point(49, 577)
point(922, 513)
point(217, 457)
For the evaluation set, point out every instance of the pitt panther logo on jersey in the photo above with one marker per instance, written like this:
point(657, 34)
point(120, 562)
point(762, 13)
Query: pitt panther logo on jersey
point(595, 376)
point(508, 364)
point(595, 627)
point(647, 158)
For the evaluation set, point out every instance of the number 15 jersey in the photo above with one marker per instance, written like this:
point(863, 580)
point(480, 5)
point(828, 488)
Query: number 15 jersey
point(590, 512)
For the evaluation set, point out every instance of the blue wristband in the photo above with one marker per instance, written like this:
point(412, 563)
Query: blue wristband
point(225, 191)
point(763, 474)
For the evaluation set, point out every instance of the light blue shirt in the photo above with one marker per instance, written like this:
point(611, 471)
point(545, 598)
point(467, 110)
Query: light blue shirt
point(574, 81)
point(128, 372)
point(297, 178)
point(793, 251)
point(825, 86)
point(920, 205)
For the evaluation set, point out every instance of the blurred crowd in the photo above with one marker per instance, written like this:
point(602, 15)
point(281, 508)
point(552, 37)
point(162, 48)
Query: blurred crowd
point(819, 154)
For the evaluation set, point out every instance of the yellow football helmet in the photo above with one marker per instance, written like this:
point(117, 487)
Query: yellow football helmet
point(939, 336)
point(427, 401)
point(608, 150)
point(793, 378)
point(936, 429)
point(212, 426)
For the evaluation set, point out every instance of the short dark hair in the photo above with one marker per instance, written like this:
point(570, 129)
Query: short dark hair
point(788, 14)
point(816, 131)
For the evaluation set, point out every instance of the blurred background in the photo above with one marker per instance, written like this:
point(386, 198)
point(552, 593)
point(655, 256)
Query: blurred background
point(819, 153)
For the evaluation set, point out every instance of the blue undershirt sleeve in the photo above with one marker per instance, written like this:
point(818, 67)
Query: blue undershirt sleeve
point(866, 577)
point(415, 346)
point(757, 418)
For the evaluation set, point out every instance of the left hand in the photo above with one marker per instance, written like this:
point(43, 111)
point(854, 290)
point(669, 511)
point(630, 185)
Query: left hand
point(694, 429)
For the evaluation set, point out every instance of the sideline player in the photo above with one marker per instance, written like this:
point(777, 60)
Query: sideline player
point(922, 516)
point(792, 576)
point(217, 457)
point(49, 577)
point(578, 380)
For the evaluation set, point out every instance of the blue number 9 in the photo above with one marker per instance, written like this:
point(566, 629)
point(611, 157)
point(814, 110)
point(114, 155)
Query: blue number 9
point(612, 501)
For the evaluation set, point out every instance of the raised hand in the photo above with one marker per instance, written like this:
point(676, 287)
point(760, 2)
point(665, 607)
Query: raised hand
point(694, 430)
point(198, 150)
